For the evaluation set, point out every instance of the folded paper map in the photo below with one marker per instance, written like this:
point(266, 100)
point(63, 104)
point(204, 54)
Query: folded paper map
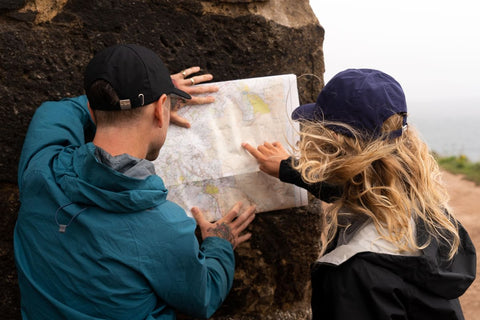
point(205, 166)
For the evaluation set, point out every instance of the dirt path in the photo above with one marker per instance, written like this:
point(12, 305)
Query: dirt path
point(465, 201)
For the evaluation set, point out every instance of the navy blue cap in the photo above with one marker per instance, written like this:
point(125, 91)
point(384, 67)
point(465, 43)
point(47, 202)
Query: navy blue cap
point(137, 75)
point(361, 98)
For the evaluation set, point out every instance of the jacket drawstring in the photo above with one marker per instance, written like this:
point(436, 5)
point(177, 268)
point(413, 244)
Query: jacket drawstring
point(63, 227)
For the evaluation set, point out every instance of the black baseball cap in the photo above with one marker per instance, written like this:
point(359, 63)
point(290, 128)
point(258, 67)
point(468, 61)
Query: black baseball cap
point(361, 98)
point(137, 75)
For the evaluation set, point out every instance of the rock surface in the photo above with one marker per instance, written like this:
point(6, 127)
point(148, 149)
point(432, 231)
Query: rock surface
point(45, 45)
point(11, 4)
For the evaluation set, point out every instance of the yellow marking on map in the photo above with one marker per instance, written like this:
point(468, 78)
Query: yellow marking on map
point(211, 189)
point(259, 106)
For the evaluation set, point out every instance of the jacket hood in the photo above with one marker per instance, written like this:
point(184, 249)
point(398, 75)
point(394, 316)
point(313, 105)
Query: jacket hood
point(429, 269)
point(87, 181)
point(432, 271)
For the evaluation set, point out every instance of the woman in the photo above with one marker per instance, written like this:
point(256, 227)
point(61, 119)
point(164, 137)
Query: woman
point(390, 249)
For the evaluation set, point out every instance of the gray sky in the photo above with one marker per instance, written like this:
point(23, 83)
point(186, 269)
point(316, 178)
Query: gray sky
point(431, 47)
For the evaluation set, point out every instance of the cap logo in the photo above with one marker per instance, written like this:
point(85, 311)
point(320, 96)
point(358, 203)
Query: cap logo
point(125, 104)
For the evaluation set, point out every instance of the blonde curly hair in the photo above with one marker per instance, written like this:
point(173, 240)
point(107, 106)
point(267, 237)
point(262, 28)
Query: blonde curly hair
point(392, 181)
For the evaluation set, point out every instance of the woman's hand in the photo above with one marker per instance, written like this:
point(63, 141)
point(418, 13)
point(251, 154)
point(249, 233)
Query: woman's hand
point(268, 155)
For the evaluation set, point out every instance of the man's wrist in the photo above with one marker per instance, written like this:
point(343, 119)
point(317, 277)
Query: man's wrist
point(222, 230)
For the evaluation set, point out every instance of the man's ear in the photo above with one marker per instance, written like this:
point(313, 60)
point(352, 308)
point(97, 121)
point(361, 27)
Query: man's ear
point(160, 115)
point(92, 115)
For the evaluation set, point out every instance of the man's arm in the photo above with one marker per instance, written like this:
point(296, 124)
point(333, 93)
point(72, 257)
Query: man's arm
point(193, 280)
point(55, 125)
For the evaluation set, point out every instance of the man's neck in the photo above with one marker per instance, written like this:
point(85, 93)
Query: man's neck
point(117, 141)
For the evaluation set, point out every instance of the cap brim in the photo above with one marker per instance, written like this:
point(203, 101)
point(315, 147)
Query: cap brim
point(181, 94)
point(304, 112)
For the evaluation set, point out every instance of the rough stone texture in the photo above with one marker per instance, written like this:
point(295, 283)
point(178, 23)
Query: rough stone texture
point(11, 4)
point(272, 279)
point(44, 47)
point(44, 10)
point(9, 293)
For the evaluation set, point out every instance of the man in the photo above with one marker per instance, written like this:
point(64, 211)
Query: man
point(95, 236)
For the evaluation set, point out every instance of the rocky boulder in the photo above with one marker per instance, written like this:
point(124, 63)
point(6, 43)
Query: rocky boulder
point(45, 45)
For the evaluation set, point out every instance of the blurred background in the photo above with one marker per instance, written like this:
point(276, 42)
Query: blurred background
point(430, 47)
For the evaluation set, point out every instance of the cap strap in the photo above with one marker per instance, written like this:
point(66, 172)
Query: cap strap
point(125, 104)
point(399, 132)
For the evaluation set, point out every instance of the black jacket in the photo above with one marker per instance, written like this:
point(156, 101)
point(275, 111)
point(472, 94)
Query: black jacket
point(323, 191)
point(373, 285)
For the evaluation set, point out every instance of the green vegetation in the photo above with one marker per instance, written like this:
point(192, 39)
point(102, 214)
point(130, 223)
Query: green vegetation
point(461, 165)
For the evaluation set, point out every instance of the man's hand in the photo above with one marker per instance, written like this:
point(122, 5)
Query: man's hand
point(268, 156)
point(184, 82)
point(229, 227)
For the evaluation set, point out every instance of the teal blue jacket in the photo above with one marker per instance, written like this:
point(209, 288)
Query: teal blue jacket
point(125, 251)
